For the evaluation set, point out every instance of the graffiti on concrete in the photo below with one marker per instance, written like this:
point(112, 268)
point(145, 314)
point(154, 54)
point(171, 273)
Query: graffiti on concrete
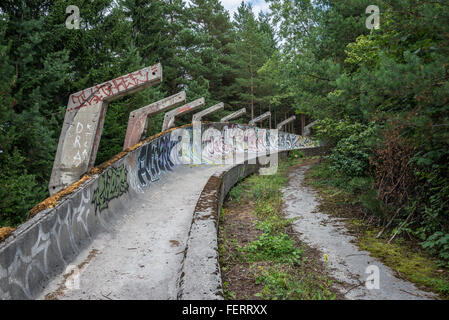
point(154, 158)
point(111, 184)
point(80, 145)
point(83, 124)
point(98, 93)
point(44, 246)
point(49, 243)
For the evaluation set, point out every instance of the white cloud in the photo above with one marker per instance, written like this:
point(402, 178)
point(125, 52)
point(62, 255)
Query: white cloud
point(260, 5)
point(232, 5)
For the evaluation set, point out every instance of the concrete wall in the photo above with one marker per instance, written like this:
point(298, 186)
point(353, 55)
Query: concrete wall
point(43, 246)
point(200, 277)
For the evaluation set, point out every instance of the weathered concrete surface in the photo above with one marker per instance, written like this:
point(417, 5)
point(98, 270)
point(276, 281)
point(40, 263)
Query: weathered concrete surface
point(199, 115)
point(346, 262)
point(308, 128)
point(286, 121)
point(169, 117)
point(140, 257)
point(83, 124)
point(138, 119)
point(163, 246)
point(260, 118)
point(200, 277)
point(234, 115)
point(50, 241)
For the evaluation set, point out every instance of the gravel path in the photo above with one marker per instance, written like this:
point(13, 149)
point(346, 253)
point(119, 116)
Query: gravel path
point(346, 261)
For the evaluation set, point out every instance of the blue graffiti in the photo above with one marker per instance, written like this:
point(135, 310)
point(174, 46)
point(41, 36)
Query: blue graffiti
point(154, 158)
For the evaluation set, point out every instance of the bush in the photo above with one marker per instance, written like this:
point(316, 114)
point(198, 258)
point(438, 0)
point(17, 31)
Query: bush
point(352, 154)
point(19, 191)
point(278, 248)
point(332, 131)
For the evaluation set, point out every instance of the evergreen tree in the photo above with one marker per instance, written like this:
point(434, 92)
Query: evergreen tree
point(252, 48)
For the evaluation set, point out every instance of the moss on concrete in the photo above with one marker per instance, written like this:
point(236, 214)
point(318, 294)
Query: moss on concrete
point(52, 201)
point(403, 256)
point(5, 232)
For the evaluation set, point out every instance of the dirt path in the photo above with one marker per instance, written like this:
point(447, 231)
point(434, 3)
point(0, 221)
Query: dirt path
point(345, 261)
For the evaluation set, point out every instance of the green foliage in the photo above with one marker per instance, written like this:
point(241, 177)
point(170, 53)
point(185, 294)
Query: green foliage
point(332, 131)
point(265, 186)
point(236, 192)
point(357, 80)
point(438, 243)
point(18, 191)
point(226, 293)
point(296, 154)
point(351, 155)
point(273, 224)
point(278, 248)
point(279, 285)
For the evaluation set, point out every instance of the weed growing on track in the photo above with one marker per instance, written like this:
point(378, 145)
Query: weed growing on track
point(259, 256)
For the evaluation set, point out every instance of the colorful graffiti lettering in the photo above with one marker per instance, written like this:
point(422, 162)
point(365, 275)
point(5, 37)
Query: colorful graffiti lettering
point(155, 158)
point(111, 184)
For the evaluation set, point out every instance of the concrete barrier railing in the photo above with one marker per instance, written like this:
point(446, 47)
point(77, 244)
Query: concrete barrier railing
point(200, 277)
point(64, 224)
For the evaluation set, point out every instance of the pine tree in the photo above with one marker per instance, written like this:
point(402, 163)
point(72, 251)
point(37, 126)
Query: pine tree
point(253, 47)
point(213, 27)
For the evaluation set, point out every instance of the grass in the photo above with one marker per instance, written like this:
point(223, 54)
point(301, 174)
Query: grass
point(342, 198)
point(259, 257)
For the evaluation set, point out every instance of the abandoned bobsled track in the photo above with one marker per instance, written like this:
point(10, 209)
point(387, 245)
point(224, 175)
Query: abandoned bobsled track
point(141, 226)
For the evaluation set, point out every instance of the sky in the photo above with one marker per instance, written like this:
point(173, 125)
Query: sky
point(232, 5)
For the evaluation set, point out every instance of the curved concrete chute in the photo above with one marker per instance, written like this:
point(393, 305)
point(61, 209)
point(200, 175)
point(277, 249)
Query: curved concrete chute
point(126, 224)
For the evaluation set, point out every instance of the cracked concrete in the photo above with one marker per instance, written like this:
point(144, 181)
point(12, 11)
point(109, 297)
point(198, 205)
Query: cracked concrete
point(346, 261)
point(140, 258)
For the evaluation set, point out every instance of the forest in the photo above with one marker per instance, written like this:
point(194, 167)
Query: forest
point(381, 95)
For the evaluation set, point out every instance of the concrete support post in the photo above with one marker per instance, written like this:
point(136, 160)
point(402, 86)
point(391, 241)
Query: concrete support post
point(138, 119)
point(196, 124)
point(83, 124)
point(303, 123)
point(307, 128)
point(260, 118)
point(169, 118)
point(198, 116)
point(233, 115)
point(286, 121)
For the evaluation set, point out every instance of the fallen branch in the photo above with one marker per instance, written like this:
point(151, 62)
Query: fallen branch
point(400, 227)
point(388, 224)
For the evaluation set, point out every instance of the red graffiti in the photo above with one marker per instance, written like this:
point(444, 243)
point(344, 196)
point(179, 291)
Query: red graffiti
point(182, 110)
point(97, 93)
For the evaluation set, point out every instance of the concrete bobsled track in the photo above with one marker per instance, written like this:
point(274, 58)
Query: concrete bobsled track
point(141, 226)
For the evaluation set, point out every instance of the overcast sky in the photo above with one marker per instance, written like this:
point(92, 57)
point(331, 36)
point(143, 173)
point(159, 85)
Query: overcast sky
point(232, 5)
